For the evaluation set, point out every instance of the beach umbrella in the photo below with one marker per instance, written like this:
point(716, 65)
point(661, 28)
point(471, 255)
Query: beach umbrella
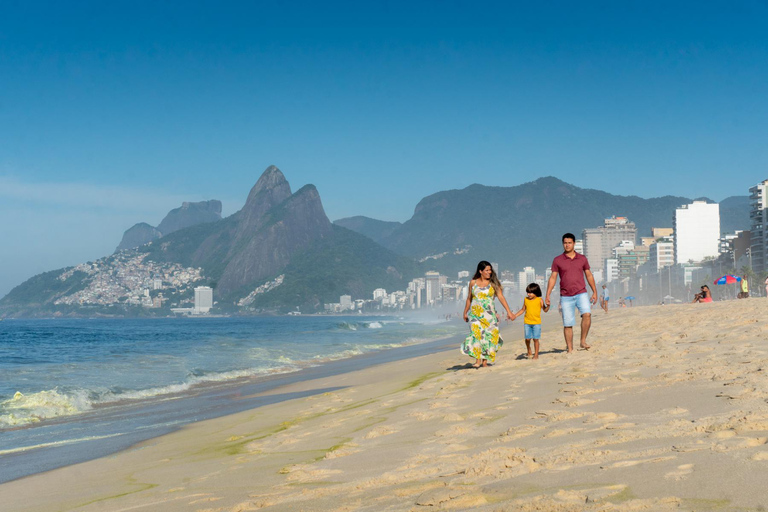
point(728, 279)
point(631, 297)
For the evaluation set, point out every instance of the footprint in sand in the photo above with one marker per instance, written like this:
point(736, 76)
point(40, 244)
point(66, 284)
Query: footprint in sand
point(680, 473)
point(760, 456)
point(628, 463)
point(380, 431)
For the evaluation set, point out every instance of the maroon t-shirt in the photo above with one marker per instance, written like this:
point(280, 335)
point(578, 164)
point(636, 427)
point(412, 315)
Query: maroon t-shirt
point(571, 272)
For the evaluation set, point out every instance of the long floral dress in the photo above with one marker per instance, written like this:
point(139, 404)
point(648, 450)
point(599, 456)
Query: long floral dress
point(484, 339)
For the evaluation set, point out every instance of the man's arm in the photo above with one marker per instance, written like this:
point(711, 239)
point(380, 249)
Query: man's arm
point(550, 286)
point(591, 281)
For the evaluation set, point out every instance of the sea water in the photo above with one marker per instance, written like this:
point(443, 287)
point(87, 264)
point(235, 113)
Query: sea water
point(65, 382)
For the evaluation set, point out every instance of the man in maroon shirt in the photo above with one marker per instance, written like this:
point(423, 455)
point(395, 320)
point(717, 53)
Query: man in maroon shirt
point(572, 267)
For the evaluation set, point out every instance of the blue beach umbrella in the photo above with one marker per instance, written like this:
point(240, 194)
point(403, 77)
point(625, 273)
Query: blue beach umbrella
point(631, 297)
point(728, 279)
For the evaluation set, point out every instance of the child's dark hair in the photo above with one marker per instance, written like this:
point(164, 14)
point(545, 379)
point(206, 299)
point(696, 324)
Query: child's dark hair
point(534, 289)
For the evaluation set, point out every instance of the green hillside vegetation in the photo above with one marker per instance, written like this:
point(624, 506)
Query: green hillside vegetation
point(376, 230)
point(38, 293)
point(349, 263)
point(186, 247)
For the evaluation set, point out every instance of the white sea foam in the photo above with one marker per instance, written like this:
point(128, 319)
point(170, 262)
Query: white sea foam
point(353, 326)
point(56, 443)
point(31, 408)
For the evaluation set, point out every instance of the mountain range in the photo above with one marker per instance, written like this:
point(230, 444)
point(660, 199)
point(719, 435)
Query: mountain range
point(189, 214)
point(278, 236)
point(280, 251)
point(522, 225)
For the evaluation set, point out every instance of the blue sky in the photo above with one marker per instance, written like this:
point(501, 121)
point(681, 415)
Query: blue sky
point(114, 113)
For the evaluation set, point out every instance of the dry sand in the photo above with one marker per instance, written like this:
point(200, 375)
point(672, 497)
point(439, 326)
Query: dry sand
point(666, 412)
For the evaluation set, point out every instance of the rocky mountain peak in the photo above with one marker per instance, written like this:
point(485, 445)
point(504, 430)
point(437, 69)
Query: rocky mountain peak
point(270, 190)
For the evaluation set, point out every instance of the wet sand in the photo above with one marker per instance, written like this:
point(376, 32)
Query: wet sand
point(667, 411)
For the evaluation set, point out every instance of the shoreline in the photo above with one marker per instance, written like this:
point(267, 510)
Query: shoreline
point(667, 411)
point(54, 453)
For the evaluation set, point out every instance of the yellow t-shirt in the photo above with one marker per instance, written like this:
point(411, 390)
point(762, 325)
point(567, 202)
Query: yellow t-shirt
point(532, 311)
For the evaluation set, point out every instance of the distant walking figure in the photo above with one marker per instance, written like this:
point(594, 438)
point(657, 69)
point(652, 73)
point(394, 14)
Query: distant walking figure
point(484, 339)
point(572, 267)
point(604, 299)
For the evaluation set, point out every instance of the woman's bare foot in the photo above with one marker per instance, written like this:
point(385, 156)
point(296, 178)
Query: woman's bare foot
point(477, 364)
point(485, 363)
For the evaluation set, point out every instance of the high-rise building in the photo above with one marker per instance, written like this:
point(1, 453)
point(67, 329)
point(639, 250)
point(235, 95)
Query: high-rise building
point(379, 293)
point(434, 282)
point(203, 299)
point(599, 242)
point(758, 214)
point(346, 302)
point(629, 260)
point(661, 253)
point(697, 231)
point(526, 277)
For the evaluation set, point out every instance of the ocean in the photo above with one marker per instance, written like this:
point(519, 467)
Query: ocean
point(75, 389)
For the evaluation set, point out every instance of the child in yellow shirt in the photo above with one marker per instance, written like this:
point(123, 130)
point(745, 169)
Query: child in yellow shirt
point(532, 306)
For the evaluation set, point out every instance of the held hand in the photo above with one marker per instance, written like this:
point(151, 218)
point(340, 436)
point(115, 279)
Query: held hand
point(547, 301)
point(511, 316)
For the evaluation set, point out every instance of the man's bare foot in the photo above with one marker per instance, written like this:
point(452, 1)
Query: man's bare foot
point(586, 347)
point(529, 355)
point(536, 356)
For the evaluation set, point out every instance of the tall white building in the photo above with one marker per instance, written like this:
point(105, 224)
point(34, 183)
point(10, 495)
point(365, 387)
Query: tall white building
point(662, 253)
point(758, 214)
point(526, 277)
point(697, 231)
point(379, 293)
point(203, 299)
point(346, 302)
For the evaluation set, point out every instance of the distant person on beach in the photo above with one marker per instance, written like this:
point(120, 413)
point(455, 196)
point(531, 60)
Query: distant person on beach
point(572, 267)
point(744, 288)
point(704, 296)
point(604, 299)
point(532, 306)
point(484, 339)
point(766, 286)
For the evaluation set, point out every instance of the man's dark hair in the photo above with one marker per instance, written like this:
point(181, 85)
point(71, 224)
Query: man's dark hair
point(569, 235)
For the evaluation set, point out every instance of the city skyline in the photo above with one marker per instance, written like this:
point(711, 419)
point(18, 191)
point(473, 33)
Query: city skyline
point(116, 115)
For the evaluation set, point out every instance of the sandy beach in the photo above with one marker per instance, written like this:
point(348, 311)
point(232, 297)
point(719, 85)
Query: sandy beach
point(668, 411)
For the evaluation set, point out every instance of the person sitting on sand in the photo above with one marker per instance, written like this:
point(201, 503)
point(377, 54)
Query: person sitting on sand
point(704, 296)
point(744, 288)
point(484, 339)
point(532, 306)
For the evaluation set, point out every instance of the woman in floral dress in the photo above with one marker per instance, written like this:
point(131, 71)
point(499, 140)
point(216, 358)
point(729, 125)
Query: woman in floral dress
point(484, 340)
